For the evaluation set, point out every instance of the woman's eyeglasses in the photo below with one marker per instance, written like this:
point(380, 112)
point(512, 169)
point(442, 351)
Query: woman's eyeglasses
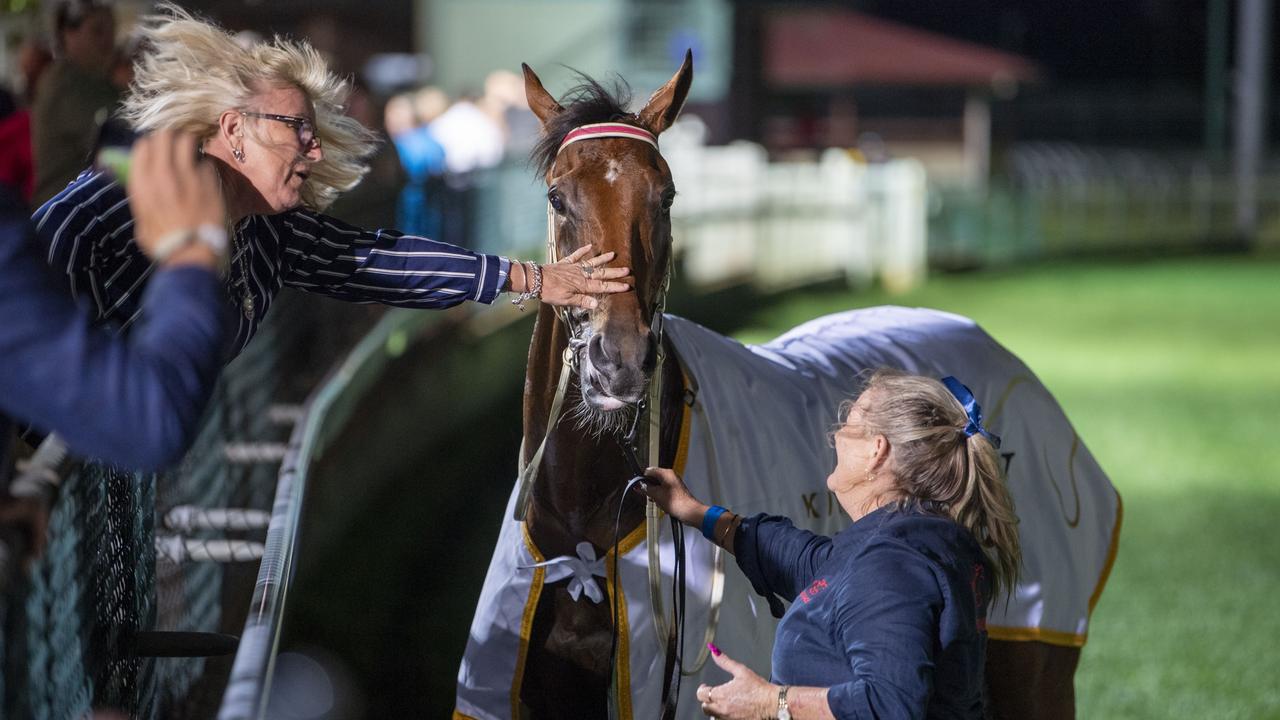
point(304, 127)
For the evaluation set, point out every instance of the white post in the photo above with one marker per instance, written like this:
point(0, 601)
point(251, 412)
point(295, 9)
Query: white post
point(904, 250)
point(1252, 52)
point(977, 141)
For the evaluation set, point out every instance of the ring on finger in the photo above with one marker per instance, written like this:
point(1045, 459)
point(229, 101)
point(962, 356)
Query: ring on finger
point(586, 269)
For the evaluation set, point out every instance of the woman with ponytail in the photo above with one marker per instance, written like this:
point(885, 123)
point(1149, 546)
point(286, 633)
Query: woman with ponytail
point(888, 617)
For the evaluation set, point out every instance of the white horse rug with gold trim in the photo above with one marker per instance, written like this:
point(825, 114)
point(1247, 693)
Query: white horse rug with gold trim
point(755, 441)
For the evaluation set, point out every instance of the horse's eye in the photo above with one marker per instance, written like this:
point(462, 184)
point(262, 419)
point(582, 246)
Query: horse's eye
point(557, 203)
point(668, 199)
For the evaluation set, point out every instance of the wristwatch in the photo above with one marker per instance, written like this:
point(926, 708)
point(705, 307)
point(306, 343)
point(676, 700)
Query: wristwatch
point(213, 236)
point(783, 712)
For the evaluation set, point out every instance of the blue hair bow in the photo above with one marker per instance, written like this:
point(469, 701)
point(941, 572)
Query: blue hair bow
point(971, 408)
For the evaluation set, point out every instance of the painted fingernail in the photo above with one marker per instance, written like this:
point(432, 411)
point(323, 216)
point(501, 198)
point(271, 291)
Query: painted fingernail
point(714, 650)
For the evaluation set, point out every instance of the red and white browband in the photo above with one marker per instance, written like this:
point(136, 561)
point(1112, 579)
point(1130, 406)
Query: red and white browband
point(586, 132)
point(609, 129)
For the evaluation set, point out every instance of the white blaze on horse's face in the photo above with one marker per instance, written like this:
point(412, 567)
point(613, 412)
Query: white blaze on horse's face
point(615, 348)
point(615, 168)
point(615, 193)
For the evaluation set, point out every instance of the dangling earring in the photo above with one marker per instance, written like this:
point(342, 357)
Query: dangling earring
point(238, 153)
point(871, 476)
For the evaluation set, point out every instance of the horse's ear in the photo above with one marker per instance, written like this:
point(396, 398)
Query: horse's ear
point(664, 105)
point(540, 101)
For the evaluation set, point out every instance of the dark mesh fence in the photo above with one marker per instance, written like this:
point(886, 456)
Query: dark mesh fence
point(71, 638)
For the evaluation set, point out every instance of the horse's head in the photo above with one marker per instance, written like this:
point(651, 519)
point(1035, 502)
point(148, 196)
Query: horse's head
point(616, 193)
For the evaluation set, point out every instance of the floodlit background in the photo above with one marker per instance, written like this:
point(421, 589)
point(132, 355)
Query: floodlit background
point(1094, 183)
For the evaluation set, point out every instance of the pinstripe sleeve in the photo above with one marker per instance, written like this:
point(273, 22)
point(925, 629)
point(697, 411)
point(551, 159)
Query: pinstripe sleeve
point(72, 223)
point(327, 256)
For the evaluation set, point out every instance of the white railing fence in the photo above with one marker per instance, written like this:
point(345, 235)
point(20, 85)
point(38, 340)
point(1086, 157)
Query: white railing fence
point(740, 216)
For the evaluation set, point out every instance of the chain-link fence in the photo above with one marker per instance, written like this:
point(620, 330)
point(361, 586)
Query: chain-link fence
point(145, 580)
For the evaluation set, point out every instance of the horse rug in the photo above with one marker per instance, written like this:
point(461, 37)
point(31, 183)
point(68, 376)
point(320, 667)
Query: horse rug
point(755, 440)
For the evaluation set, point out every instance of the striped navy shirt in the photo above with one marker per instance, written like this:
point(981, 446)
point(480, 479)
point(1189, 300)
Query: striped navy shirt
point(87, 233)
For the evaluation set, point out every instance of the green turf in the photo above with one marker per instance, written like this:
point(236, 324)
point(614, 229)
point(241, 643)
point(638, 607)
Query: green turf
point(1170, 371)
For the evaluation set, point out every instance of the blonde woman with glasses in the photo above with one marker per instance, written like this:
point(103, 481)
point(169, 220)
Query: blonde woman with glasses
point(887, 618)
point(270, 117)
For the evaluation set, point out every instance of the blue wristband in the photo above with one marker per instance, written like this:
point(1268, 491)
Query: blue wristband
point(709, 521)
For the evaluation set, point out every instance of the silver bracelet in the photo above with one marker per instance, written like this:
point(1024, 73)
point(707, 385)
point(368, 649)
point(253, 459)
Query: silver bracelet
point(533, 288)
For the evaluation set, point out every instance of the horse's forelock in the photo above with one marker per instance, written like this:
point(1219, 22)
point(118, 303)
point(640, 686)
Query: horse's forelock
point(586, 103)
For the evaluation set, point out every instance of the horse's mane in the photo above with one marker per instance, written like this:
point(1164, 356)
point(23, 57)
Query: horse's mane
point(586, 103)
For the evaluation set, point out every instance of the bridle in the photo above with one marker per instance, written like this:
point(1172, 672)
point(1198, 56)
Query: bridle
point(569, 358)
point(671, 636)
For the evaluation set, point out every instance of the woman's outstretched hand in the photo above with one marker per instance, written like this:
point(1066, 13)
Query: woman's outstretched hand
point(579, 277)
point(668, 491)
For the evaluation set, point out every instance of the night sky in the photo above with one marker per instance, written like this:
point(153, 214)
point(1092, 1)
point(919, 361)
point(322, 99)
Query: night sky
point(1075, 41)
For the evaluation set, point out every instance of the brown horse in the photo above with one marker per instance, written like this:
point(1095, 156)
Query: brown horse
point(615, 192)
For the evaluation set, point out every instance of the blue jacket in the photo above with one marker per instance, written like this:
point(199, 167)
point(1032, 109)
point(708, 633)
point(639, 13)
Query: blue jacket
point(133, 401)
point(889, 614)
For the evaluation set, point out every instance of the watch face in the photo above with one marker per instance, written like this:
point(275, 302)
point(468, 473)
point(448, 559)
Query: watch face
point(784, 714)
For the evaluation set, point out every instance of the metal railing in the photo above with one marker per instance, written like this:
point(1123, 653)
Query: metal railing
point(330, 406)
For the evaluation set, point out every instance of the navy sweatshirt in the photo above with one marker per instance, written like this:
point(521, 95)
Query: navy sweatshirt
point(134, 401)
point(890, 614)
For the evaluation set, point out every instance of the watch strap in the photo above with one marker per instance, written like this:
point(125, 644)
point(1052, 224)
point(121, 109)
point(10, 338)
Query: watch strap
point(208, 234)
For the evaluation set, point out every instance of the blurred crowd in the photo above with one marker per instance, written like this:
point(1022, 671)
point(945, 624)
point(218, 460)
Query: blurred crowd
point(443, 144)
point(421, 181)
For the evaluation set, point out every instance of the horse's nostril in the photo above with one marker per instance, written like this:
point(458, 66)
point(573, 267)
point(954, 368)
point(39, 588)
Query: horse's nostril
point(599, 354)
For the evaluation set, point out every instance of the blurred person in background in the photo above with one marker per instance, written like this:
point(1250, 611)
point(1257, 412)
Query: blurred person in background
point(17, 174)
point(373, 202)
point(504, 101)
point(135, 402)
point(472, 142)
point(270, 117)
point(422, 158)
point(122, 61)
point(74, 94)
point(33, 59)
point(430, 103)
point(471, 138)
point(888, 617)
point(17, 161)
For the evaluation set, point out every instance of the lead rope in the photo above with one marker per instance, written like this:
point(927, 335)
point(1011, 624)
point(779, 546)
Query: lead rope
point(568, 364)
point(630, 444)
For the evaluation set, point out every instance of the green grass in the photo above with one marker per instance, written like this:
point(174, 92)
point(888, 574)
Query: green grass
point(1170, 371)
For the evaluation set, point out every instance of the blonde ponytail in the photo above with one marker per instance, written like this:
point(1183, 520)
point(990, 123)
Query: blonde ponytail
point(988, 512)
point(936, 461)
